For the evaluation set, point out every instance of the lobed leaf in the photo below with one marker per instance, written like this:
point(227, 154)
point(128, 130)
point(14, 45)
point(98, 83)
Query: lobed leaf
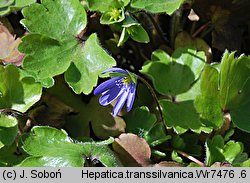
point(174, 76)
point(218, 151)
point(8, 6)
point(53, 48)
point(11, 155)
point(189, 119)
point(17, 92)
point(51, 147)
point(157, 6)
point(208, 102)
point(8, 130)
point(58, 19)
point(144, 124)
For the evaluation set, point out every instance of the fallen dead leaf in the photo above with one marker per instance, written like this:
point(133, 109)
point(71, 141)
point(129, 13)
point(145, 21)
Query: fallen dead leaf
point(168, 164)
point(132, 150)
point(9, 53)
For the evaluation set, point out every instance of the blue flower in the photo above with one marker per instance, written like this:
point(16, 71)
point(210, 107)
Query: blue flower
point(122, 86)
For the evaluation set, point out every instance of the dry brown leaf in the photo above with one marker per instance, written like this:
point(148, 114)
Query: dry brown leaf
point(168, 164)
point(219, 164)
point(50, 111)
point(132, 150)
point(8, 47)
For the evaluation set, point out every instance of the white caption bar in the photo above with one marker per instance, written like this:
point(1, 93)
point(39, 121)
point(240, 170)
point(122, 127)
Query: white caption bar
point(166, 175)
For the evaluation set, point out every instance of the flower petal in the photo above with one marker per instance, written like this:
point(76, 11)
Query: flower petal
point(119, 104)
point(115, 69)
point(110, 96)
point(106, 85)
point(131, 97)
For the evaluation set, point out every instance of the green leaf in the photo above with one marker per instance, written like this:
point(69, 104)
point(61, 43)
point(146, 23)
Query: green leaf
point(143, 123)
point(47, 82)
point(188, 143)
point(58, 19)
point(184, 39)
point(11, 155)
point(241, 116)
point(192, 145)
point(235, 88)
point(246, 163)
point(45, 56)
point(240, 159)
point(173, 76)
point(160, 55)
point(223, 89)
point(176, 157)
point(51, 147)
point(101, 119)
point(123, 38)
point(178, 142)
point(234, 80)
point(33, 161)
point(208, 103)
point(138, 33)
point(183, 116)
point(101, 6)
point(5, 3)
point(112, 16)
point(102, 153)
point(52, 48)
point(195, 60)
point(133, 29)
point(231, 152)
point(103, 123)
point(124, 2)
point(192, 93)
point(214, 150)
point(16, 92)
point(129, 21)
point(22, 3)
point(90, 62)
point(8, 6)
point(8, 130)
point(140, 121)
point(157, 6)
point(156, 135)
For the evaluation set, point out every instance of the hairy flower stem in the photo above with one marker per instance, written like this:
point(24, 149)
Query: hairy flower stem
point(154, 97)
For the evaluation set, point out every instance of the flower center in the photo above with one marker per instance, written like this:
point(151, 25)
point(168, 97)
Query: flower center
point(115, 14)
point(127, 80)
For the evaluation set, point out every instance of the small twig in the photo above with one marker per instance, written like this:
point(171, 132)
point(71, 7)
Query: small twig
point(200, 29)
point(191, 158)
point(156, 26)
point(11, 111)
point(154, 97)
